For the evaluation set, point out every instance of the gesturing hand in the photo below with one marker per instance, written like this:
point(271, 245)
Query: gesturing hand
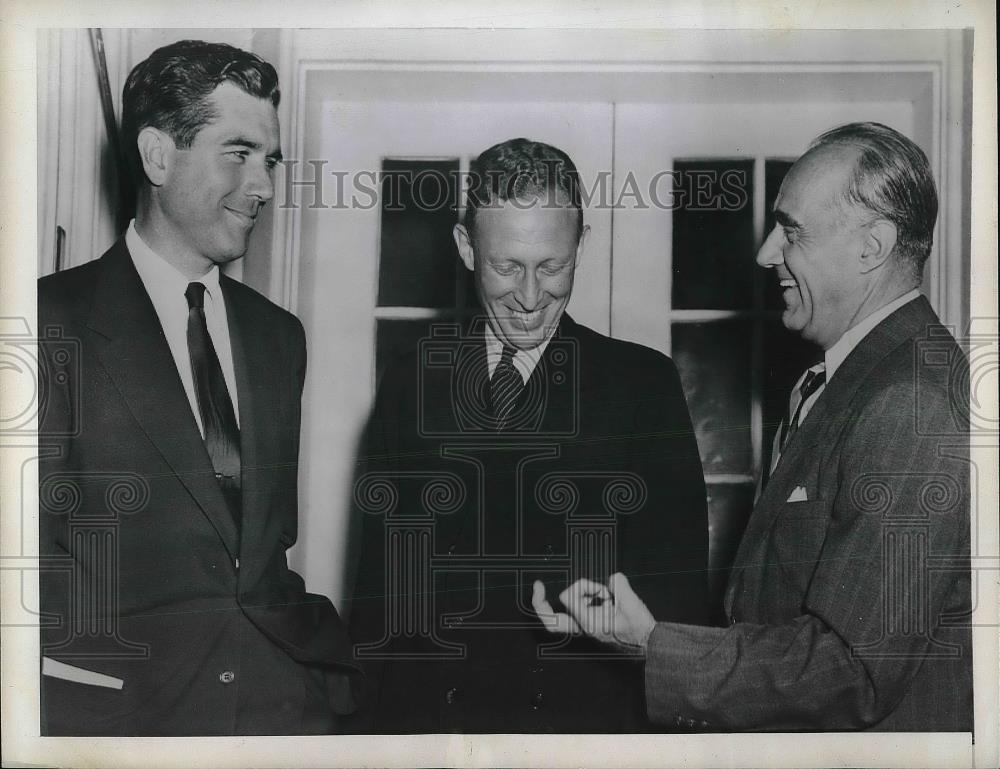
point(612, 614)
point(554, 622)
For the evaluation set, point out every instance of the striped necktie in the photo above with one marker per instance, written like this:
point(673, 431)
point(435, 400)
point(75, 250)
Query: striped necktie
point(505, 387)
point(813, 381)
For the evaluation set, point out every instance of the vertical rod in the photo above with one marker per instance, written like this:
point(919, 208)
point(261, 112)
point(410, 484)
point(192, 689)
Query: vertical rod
point(757, 345)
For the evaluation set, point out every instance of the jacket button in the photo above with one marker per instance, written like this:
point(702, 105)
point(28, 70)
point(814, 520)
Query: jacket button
point(451, 696)
point(536, 700)
point(703, 724)
point(678, 720)
point(227, 676)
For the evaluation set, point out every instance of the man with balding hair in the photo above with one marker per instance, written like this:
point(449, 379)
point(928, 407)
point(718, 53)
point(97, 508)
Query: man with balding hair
point(849, 598)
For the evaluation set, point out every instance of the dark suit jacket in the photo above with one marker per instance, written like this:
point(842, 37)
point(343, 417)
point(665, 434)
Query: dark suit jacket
point(600, 472)
point(847, 608)
point(145, 576)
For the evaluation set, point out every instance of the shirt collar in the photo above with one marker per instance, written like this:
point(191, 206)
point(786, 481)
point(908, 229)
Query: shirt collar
point(158, 275)
point(525, 361)
point(837, 354)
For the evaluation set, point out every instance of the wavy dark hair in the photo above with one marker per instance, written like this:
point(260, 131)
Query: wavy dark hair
point(170, 90)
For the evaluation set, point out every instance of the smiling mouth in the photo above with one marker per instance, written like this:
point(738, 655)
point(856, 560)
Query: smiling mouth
point(788, 283)
point(526, 318)
point(247, 219)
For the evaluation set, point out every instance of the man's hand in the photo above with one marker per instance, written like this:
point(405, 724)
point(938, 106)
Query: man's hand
point(612, 614)
point(554, 622)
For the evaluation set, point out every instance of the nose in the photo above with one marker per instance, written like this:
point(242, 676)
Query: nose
point(528, 291)
point(259, 183)
point(769, 254)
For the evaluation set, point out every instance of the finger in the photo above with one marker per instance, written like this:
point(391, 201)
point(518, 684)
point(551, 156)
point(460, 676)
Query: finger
point(582, 591)
point(619, 585)
point(538, 600)
point(553, 621)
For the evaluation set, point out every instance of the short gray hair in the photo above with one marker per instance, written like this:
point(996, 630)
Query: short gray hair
point(893, 180)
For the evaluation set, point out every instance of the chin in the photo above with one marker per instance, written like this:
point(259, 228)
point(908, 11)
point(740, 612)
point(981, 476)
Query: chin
point(523, 341)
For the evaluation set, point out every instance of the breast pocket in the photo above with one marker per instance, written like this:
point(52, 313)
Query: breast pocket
point(797, 539)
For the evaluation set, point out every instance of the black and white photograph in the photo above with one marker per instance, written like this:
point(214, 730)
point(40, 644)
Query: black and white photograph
point(479, 387)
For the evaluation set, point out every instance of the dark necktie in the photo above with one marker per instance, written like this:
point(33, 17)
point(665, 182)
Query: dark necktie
point(505, 387)
point(222, 435)
point(814, 379)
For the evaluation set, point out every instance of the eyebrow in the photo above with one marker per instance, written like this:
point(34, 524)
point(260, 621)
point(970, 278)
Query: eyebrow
point(785, 220)
point(240, 141)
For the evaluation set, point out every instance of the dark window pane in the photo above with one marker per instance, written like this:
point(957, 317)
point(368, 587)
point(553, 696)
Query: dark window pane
point(418, 258)
point(714, 363)
point(396, 337)
point(786, 356)
point(713, 234)
point(729, 508)
point(774, 172)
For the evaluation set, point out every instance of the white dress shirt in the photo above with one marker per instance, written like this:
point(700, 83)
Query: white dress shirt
point(166, 285)
point(525, 361)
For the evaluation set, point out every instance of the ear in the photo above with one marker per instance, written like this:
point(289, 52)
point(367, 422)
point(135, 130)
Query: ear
point(464, 242)
point(156, 150)
point(581, 245)
point(879, 245)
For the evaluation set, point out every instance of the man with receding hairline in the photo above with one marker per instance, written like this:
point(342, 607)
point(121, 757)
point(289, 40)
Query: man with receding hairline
point(566, 453)
point(850, 593)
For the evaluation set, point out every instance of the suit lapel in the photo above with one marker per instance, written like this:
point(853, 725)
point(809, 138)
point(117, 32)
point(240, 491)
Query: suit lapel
point(826, 416)
point(137, 358)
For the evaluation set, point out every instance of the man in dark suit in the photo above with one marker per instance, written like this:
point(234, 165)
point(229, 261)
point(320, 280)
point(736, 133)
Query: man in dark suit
point(849, 599)
point(520, 446)
point(170, 436)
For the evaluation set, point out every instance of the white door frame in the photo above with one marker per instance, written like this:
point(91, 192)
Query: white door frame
point(612, 69)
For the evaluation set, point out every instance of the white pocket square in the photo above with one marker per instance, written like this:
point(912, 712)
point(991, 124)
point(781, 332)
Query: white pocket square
point(56, 669)
point(798, 495)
